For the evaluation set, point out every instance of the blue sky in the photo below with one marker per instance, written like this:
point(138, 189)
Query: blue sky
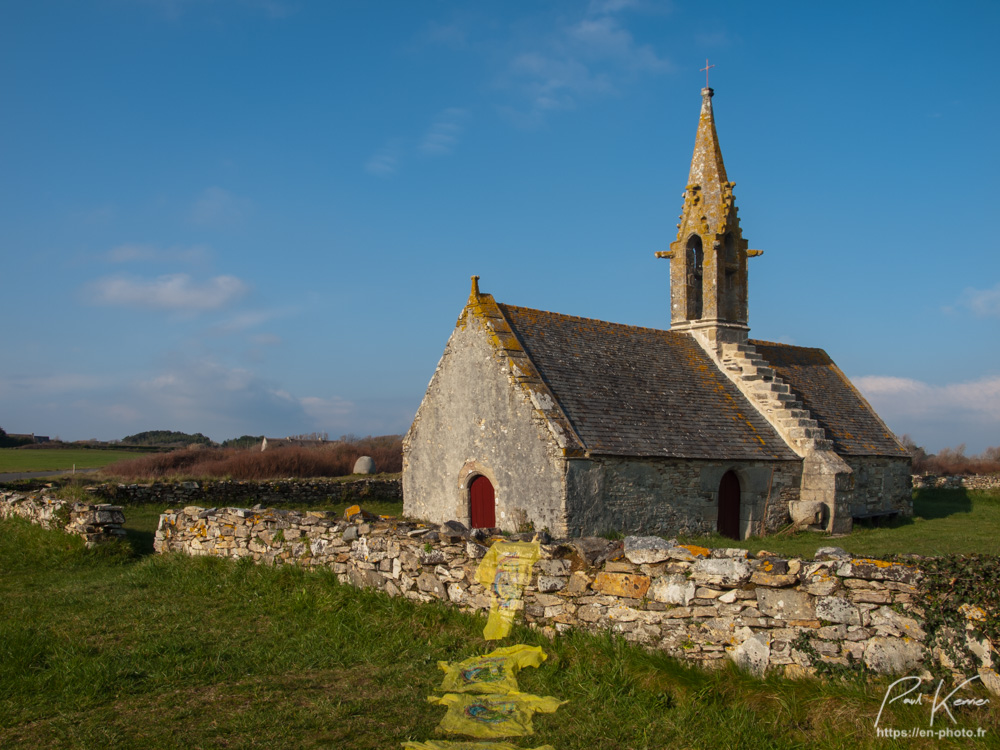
point(260, 216)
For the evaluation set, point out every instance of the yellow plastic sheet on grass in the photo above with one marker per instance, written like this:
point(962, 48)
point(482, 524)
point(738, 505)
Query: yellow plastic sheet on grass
point(505, 570)
point(489, 716)
point(446, 745)
point(495, 672)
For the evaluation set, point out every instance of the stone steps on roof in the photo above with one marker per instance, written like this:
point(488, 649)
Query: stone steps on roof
point(772, 397)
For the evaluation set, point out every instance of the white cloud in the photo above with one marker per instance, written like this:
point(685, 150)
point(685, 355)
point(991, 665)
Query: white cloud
point(217, 206)
point(384, 162)
point(443, 133)
point(592, 56)
point(984, 303)
point(170, 292)
point(937, 415)
point(977, 397)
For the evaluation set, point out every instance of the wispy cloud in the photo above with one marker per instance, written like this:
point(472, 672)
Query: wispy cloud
point(442, 136)
point(384, 162)
point(937, 415)
point(984, 303)
point(247, 319)
point(978, 398)
point(590, 56)
point(217, 206)
point(170, 292)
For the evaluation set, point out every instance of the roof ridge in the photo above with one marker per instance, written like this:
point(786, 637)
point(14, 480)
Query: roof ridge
point(755, 342)
point(565, 316)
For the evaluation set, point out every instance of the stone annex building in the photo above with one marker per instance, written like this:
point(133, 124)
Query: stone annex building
point(539, 420)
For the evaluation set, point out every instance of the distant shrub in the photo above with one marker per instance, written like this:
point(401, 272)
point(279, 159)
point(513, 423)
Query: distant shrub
point(952, 460)
point(165, 437)
point(333, 459)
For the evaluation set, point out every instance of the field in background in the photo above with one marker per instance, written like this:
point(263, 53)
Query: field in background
point(103, 650)
point(334, 459)
point(944, 522)
point(57, 459)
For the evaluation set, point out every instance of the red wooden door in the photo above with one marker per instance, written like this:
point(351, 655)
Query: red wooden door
point(729, 505)
point(482, 503)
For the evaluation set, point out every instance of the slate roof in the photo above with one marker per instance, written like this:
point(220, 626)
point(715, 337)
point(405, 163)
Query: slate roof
point(849, 421)
point(633, 391)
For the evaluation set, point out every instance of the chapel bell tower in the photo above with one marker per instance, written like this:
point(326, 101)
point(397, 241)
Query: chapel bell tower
point(708, 268)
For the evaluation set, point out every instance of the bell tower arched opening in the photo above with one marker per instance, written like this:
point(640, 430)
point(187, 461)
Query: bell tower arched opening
point(695, 278)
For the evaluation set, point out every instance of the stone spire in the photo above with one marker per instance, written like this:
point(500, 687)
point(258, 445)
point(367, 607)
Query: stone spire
point(708, 173)
point(708, 272)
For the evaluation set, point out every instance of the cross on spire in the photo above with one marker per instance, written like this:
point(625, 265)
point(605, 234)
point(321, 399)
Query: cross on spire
point(706, 69)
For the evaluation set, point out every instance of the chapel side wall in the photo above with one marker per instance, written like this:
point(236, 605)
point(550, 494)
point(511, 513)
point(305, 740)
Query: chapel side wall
point(474, 419)
point(671, 497)
point(881, 484)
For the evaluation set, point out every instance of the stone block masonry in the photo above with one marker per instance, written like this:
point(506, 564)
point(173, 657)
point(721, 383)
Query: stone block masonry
point(765, 613)
point(96, 523)
point(268, 492)
point(958, 482)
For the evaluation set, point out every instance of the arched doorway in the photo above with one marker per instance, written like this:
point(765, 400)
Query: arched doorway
point(729, 505)
point(482, 503)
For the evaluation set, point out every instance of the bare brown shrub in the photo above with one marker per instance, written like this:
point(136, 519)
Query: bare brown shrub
point(334, 459)
point(952, 460)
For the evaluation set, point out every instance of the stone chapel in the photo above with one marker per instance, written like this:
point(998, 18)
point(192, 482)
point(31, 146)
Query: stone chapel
point(538, 420)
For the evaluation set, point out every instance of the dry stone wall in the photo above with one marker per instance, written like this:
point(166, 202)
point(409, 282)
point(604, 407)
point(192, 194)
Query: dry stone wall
point(766, 613)
point(971, 482)
point(96, 523)
point(268, 492)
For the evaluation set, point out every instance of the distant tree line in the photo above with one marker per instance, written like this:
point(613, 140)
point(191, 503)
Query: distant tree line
point(952, 460)
point(6, 441)
point(166, 437)
point(244, 441)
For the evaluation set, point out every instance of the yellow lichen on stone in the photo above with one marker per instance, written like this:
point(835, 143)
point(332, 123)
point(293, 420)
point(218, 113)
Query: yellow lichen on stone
point(696, 550)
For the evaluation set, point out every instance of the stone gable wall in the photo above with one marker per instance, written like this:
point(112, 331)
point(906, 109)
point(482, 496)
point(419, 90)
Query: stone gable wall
point(765, 613)
point(267, 492)
point(475, 420)
point(96, 523)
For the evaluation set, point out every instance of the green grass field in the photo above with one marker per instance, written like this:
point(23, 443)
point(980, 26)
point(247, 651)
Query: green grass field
point(943, 522)
point(100, 649)
point(58, 459)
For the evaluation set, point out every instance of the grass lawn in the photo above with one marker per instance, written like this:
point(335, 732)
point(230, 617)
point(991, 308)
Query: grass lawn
point(100, 649)
point(943, 522)
point(57, 459)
